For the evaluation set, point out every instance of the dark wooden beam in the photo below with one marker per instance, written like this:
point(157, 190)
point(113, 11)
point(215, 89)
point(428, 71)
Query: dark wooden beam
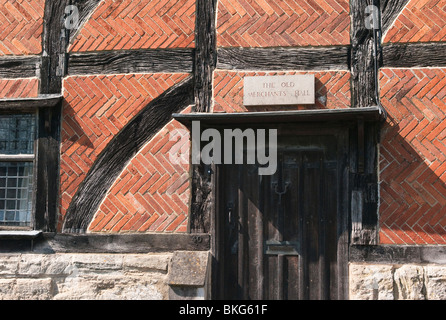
point(111, 161)
point(414, 55)
point(363, 76)
point(53, 47)
point(324, 58)
point(30, 104)
point(46, 186)
point(48, 243)
point(269, 117)
point(131, 61)
point(19, 67)
point(397, 254)
point(205, 60)
point(205, 57)
point(52, 70)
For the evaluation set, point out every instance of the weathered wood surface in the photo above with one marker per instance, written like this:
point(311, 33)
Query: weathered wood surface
point(131, 61)
point(205, 57)
point(363, 183)
point(19, 67)
point(414, 55)
point(203, 199)
point(120, 150)
point(398, 254)
point(46, 175)
point(123, 243)
point(46, 188)
point(205, 60)
point(53, 47)
point(325, 58)
point(107, 243)
point(29, 104)
point(363, 77)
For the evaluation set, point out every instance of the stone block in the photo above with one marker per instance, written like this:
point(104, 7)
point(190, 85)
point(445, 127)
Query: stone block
point(409, 280)
point(188, 268)
point(435, 282)
point(9, 264)
point(25, 289)
point(146, 262)
point(371, 282)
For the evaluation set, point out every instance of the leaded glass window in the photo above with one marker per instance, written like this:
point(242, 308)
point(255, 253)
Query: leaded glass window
point(17, 133)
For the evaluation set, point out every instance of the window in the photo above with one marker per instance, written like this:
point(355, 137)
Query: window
point(17, 135)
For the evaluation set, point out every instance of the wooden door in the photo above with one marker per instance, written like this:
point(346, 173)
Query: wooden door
point(284, 235)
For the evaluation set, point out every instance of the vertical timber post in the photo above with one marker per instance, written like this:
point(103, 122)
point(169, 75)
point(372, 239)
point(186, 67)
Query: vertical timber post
point(361, 57)
point(52, 70)
point(365, 59)
point(205, 60)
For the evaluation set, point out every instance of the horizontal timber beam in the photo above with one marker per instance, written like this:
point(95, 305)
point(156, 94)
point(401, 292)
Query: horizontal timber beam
point(414, 55)
point(322, 58)
point(19, 67)
point(397, 254)
point(108, 243)
point(131, 61)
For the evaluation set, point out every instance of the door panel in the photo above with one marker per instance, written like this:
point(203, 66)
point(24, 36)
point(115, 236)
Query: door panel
point(281, 232)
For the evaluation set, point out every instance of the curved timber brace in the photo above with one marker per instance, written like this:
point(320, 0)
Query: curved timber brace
point(120, 150)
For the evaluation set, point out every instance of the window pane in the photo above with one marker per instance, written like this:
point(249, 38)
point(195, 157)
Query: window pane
point(15, 193)
point(17, 133)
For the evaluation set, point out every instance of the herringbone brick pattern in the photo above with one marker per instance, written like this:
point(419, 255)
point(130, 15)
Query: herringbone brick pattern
point(19, 88)
point(420, 21)
point(152, 193)
point(21, 26)
point(413, 157)
point(270, 23)
point(95, 109)
point(129, 24)
point(332, 90)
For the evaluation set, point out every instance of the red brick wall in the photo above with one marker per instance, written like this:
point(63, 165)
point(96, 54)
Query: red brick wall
point(420, 21)
point(21, 26)
point(94, 110)
point(152, 192)
point(116, 25)
point(288, 23)
point(413, 148)
point(271, 23)
point(19, 88)
point(413, 157)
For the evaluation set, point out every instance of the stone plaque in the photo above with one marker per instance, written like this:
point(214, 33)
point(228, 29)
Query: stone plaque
point(278, 90)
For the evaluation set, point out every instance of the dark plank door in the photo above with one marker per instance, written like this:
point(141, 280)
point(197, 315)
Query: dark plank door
point(281, 233)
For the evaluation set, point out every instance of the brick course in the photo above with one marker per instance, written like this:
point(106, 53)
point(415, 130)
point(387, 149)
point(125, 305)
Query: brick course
point(152, 192)
point(21, 27)
point(270, 23)
point(413, 157)
point(128, 24)
point(94, 110)
point(19, 88)
point(420, 21)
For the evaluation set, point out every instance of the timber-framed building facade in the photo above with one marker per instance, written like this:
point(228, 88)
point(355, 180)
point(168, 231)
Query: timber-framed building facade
point(97, 95)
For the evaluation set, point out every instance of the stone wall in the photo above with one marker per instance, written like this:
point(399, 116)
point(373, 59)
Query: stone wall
point(397, 282)
point(62, 276)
